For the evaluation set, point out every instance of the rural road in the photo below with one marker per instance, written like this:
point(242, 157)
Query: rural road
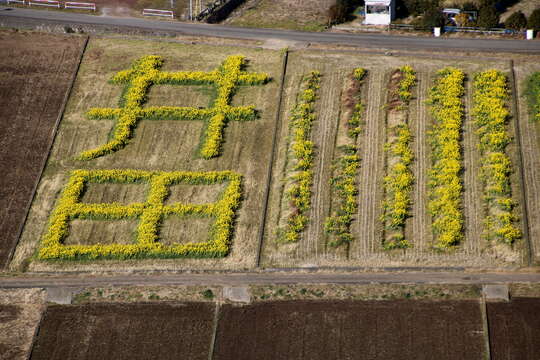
point(380, 41)
point(258, 278)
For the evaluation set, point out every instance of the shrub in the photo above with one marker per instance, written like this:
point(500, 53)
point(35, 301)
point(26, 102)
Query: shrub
point(433, 17)
point(488, 17)
point(344, 181)
point(150, 215)
point(516, 21)
point(445, 183)
point(302, 148)
point(533, 22)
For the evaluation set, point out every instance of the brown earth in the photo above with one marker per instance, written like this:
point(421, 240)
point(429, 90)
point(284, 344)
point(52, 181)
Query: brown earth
point(125, 331)
point(35, 71)
point(350, 330)
point(514, 329)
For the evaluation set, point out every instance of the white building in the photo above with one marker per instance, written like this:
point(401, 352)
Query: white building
point(380, 12)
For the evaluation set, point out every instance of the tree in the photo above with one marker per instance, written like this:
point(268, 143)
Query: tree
point(516, 21)
point(433, 17)
point(488, 17)
point(534, 20)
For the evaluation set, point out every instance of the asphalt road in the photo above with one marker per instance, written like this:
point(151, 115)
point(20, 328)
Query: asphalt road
point(383, 41)
point(258, 278)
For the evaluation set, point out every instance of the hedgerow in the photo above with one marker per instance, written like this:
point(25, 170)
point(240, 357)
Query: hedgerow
point(344, 179)
point(150, 215)
point(302, 148)
point(533, 95)
point(399, 179)
point(145, 73)
point(445, 182)
point(491, 116)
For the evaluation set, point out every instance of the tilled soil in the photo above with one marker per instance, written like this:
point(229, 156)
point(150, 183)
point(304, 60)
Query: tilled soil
point(125, 331)
point(514, 329)
point(313, 330)
point(35, 71)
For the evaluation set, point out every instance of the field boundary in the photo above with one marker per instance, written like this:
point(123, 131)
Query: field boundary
point(524, 203)
point(277, 126)
point(48, 153)
point(485, 326)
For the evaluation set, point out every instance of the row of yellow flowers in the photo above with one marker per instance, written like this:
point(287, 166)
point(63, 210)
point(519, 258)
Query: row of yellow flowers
point(398, 183)
point(445, 184)
point(150, 215)
point(145, 73)
point(302, 148)
point(344, 179)
point(491, 116)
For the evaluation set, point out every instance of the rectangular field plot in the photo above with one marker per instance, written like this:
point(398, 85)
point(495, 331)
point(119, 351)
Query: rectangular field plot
point(514, 329)
point(121, 331)
point(351, 330)
point(380, 118)
point(92, 232)
point(174, 128)
point(36, 72)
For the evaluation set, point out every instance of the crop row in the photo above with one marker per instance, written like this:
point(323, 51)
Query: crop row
point(344, 179)
point(533, 94)
point(445, 183)
point(150, 215)
point(299, 193)
point(399, 179)
point(491, 116)
point(145, 73)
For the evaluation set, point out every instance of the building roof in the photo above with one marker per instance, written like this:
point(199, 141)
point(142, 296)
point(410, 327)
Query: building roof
point(378, 2)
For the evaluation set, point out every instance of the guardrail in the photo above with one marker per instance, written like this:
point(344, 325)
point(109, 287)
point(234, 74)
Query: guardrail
point(15, 1)
point(458, 29)
point(156, 12)
point(80, 5)
point(50, 3)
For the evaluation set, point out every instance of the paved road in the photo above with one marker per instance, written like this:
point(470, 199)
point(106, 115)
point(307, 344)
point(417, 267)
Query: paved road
point(362, 40)
point(66, 280)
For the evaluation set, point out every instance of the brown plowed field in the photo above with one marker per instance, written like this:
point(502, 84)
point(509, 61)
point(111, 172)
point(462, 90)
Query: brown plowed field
point(514, 329)
point(398, 329)
point(35, 71)
point(126, 331)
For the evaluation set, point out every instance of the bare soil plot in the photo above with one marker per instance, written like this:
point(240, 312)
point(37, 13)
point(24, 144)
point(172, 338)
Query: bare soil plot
point(125, 331)
point(366, 250)
point(36, 72)
point(20, 312)
point(514, 329)
point(163, 145)
point(351, 330)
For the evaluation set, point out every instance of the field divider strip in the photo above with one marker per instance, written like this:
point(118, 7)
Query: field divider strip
point(277, 126)
point(485, 326)
point(520, 169)
point(36, 333)
point(215, 324)
point(48, 153)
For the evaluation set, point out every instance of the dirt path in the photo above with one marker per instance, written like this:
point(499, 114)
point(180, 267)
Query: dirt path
point(421, 236)
point(472, 189)
point(324, 136)
point(369, 205)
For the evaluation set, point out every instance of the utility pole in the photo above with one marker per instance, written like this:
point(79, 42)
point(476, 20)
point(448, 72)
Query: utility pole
point(191, 10)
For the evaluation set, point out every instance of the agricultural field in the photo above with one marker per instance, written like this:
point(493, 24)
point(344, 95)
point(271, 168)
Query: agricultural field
point(36, 72)
point(404, 205)
point(176, 157)
point(180, 154)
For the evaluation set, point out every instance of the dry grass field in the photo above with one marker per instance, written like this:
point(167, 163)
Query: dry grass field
point(162, 145)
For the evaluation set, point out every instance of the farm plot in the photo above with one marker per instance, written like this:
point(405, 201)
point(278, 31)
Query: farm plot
point(397, 329)
point(36, 72)
point(412, 208)
point(125, 331)
point(514, 328)
point(530, 149)
point(172, 138)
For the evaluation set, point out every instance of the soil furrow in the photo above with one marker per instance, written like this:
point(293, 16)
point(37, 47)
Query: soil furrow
point(324, 136)
point(472, 195)
point(420, 234)
point(368, 173)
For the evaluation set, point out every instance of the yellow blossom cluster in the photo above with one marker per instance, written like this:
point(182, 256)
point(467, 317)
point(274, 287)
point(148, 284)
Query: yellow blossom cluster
point(150, 215)
point(490, 116)
point(344, 179)
point(444, 176)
